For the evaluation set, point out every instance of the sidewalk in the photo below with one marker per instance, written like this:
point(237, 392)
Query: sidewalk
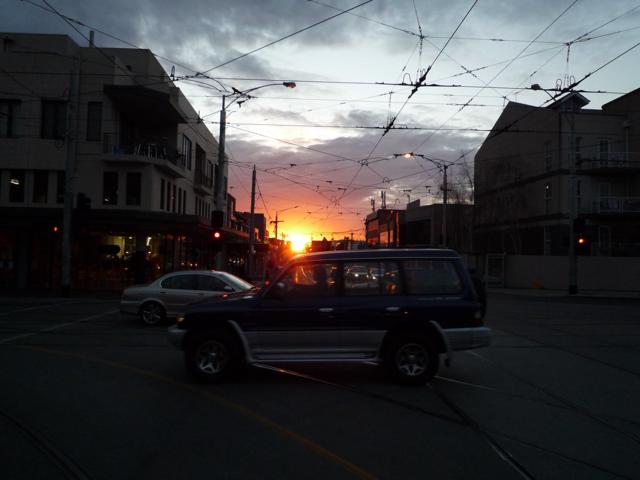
point(546, 293)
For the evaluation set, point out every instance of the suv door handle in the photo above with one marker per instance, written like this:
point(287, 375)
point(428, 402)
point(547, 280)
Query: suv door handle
point(392, 309)
point(325, 310)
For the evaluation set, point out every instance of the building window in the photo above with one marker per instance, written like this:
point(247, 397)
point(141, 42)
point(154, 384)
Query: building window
point(94, 121)
point(547, 156)
point(186, 151)
point(16, 186)
point(547, 241)
point(179, 200)
point(110, 188)
point(578, 194)
point(8, 114)
point(578, 152)
point(547, 198)
point(134, 186)
point(162, 194)
point(60, 181)
point(54, 117)
point(168, 197)
point(40, 186)
point(173, 199)
point(184, 201)
point(604, 151)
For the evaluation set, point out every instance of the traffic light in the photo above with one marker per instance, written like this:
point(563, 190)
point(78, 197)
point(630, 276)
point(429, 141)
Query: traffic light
point(55, 229)
point(217, 239)
point(583, 245)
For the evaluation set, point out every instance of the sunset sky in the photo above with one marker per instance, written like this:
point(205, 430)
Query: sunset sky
point(319, 149)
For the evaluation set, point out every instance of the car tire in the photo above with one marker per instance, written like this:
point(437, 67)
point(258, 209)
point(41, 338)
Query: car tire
point(412, 359)
point(212, 357)
point(152, 313)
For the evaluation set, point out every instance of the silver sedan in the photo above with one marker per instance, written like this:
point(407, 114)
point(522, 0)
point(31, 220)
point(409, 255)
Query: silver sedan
point(168, 296)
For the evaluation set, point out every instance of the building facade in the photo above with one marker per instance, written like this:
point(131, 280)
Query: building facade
point(524, 171)
point(421, 226)
point(107, 127)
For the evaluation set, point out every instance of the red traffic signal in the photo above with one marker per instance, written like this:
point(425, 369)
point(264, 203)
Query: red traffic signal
point(55, 229)
point(216, 235)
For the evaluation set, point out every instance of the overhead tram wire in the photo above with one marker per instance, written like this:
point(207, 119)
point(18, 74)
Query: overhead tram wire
point(568, 88)
point(583, 38)
point(500, 72)
point(285, 37)
point(418, 83)
point(409, 32)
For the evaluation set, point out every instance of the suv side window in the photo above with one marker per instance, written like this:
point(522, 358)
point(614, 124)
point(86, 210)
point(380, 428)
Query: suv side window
point(429, 277)
point(371, 278)
point(210, 283)
point(310, 280)
point(180, 282)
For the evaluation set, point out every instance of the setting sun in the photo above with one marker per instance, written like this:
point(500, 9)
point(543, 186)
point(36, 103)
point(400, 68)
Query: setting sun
point(298, 242)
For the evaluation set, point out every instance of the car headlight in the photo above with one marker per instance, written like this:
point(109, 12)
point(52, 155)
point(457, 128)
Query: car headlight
point(180, 319)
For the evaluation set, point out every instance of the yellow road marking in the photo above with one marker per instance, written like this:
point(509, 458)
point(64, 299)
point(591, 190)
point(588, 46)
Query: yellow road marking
point(246, 412)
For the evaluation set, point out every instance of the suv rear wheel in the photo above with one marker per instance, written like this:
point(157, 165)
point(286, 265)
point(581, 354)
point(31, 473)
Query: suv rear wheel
point(212, 356)
point(412, 359)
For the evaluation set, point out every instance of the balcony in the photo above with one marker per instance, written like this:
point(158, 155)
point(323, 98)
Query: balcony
point(609, 162)
point(614, 206)
point(202, 182)
point(165, 158)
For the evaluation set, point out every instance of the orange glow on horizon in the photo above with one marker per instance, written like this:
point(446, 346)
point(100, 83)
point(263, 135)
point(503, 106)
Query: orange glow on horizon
point(298, 242)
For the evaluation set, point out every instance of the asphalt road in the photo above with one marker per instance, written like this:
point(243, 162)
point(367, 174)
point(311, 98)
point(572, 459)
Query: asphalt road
point(87, 394)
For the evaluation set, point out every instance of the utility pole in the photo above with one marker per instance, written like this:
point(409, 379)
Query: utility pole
point(444, 204)
point(276, 222)
point(251, 223)
point(573, 214)
point(69, 177)
point(219, 179)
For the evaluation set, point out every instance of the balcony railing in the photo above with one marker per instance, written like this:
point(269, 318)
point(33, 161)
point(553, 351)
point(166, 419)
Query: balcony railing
point(616, 206)
point(609, 160)
point(203, 179)
point(151, 150)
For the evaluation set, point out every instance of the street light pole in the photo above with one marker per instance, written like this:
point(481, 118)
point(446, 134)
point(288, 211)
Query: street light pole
point(219, 189)
point(442, 166)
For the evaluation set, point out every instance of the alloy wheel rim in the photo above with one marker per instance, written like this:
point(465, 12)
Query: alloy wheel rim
point(412, 359)
point(152, 314)
point(211, 357)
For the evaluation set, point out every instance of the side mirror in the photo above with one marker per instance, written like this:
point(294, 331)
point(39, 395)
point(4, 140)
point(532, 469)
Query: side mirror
point(277, 291)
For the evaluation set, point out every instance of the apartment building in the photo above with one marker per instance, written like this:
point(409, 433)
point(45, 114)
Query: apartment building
point(523, 172)
point(141, 166)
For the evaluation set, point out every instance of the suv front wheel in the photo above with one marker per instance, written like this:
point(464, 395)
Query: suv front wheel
point(211, 357)
point(412, 359)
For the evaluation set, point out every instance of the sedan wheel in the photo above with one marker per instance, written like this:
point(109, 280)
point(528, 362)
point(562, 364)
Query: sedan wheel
point(152, 313)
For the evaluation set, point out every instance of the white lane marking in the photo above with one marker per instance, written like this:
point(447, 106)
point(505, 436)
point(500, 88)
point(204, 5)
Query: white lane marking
point(61, 325)
point(66, 302)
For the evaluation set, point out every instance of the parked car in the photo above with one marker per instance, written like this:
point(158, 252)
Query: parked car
point(421, 305)
point(168, 296)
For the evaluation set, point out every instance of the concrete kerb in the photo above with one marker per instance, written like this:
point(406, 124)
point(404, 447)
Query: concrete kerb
point(546, 293)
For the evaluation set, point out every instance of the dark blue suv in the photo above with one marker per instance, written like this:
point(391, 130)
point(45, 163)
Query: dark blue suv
point(400, 308)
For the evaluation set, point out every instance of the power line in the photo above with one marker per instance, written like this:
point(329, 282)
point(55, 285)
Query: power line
point(284, 38)
point(502, 70)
